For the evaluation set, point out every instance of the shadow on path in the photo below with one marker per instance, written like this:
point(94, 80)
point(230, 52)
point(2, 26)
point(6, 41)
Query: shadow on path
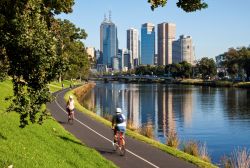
point(105, 150)
point(70, 140)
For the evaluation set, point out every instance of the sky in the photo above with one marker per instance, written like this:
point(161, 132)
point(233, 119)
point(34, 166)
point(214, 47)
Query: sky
point(224, 24)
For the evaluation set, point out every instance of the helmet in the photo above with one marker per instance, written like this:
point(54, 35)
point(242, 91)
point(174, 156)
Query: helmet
point(118, 110)
point(71, 97)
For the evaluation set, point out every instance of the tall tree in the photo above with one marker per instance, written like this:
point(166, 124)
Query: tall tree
point(238, 61)
point(186, 69)
point(69, 47)
point(207, 67)
point(30, 49)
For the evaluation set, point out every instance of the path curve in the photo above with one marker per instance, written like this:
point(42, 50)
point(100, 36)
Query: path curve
point(98, 136)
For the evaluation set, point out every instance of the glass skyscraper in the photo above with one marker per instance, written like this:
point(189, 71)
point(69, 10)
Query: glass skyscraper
point(147, 44)
point(108, 41)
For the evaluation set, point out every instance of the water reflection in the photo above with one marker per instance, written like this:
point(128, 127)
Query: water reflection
point(218, 116)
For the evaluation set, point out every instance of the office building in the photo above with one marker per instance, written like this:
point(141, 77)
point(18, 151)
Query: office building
point(183, 50)
point(166, 35)
point(108, 41)
point(147, 44)
point(91, 52)
point(127, 59)
point(132, 45)
point(115, 64)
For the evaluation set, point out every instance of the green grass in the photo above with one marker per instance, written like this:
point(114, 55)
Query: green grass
point(175, 152)
point(242, 85)
point(47, 145)
point(216, 83)
point(55, 86)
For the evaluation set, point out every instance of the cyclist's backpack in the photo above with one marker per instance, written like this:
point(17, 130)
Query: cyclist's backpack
point(119, 119)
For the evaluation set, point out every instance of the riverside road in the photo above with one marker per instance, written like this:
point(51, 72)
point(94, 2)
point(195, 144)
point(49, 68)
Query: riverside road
point(98, 136)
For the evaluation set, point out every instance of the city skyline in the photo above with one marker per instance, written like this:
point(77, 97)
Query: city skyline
point(214, 29)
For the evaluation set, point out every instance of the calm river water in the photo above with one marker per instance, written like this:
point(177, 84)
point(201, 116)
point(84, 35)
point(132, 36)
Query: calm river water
point(219, 117)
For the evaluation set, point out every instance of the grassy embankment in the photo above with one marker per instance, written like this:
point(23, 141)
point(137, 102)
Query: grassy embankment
point(175, 152)
point(217, 83)
point(48, 145)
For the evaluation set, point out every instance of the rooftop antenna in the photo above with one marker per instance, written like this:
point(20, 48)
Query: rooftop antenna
point(105, 17)
point(110, 15)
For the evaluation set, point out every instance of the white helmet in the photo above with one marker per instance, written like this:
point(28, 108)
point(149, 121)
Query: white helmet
point(71, 97)
point(118, 110)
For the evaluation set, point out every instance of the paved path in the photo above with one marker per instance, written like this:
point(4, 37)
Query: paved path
point(99, 137)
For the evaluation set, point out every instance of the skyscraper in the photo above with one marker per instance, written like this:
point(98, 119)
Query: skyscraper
point(127, 59)
point(108, 41)
point(147, 43)
point(183, 50)
point(132, 45)
point(166, 35)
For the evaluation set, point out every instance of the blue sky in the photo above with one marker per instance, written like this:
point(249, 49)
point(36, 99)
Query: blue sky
point(224, 24)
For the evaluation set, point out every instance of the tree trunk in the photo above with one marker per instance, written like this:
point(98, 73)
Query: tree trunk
point(60, 78)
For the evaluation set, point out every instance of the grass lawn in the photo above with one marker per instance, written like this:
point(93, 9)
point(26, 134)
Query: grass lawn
point(55, 86)
point(47, 145)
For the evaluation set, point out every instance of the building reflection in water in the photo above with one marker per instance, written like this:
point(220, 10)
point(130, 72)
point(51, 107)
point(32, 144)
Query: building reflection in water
point(157, 103)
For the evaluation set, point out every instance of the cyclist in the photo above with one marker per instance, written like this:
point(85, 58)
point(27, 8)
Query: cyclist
point(70, 107)
point(118, 123)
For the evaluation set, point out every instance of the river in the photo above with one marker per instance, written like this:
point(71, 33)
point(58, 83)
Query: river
point(219, 117)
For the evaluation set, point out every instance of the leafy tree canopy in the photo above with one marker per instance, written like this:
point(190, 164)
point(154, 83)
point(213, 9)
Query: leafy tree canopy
point(29, 48)
point(186, 5)
point(207, 67)
point(238, 60)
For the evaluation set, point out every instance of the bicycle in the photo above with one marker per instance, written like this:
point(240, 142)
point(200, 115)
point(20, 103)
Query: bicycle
point(120, 143)
point(70, 116)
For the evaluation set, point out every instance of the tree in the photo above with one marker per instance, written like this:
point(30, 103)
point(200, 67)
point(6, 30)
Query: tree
point(186, 69)
point(29, 47)
point(207, 67)
point(175, 70)
point(71, 49)
point(186, 5)
point(244, 60)
point(78, 62)
point(238, 62)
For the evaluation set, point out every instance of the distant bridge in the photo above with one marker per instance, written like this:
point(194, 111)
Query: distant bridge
point(136, 78)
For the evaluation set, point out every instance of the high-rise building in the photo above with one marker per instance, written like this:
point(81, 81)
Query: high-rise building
point(98, 57)
point(108, 41)
point(115, 63)
point(91, 52)
point(132, 45)
point(166, 35)
point(127, 59)
point(121, 58)
point(183, 50)
point(147, 43)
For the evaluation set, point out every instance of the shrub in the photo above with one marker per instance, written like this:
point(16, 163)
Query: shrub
point(107, 116)
point(172, 139)
point(191, 147)
point(204, 153)
point(226, 162)
point(147, 130)
point(131, 125)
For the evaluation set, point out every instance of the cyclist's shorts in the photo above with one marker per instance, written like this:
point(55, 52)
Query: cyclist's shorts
point(121, 128)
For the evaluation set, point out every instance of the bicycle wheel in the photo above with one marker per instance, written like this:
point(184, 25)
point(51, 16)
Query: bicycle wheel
point(115, 146)
point(70, 119)
point(122, 150)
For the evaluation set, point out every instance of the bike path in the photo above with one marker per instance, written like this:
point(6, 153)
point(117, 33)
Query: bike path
point(98, 136)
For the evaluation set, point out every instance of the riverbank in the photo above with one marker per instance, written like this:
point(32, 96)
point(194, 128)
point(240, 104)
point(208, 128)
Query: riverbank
point(47, 145)
point(215, 83)
point(135, 135)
